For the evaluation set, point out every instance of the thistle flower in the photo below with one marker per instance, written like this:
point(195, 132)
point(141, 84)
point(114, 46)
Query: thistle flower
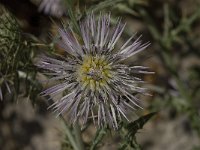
point(52, 7)
point(96, 81)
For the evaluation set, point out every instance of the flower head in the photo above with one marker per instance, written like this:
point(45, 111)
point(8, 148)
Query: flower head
point(95, 79)
point(52, 7)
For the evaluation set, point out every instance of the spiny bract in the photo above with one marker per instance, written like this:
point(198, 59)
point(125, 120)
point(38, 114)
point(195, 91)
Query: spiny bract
point(95, 80)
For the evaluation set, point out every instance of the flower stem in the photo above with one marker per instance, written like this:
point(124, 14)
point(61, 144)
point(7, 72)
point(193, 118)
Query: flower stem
point(69, 134)
point(68, 131)
point(77, 133)
point(69, 5)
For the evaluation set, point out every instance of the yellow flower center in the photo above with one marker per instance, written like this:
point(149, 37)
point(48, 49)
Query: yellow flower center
point(94, 72)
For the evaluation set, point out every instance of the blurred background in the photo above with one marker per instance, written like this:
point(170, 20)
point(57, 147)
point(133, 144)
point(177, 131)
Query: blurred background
point(172, 27)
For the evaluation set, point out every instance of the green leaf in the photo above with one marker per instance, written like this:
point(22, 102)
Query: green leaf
point(133, 127)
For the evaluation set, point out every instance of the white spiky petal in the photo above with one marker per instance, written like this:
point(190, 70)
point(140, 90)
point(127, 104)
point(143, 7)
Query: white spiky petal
point(94, 78)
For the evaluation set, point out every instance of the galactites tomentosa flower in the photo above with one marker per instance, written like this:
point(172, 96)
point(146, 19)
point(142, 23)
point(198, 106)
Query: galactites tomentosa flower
point(96, 81)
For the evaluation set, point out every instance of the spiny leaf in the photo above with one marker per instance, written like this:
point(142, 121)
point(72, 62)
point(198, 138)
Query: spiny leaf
point(16, 56)
point(130, 141)
point(133, 127)
point(9, 31)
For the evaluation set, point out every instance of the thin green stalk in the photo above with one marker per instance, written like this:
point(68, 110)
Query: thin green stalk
point(38, 44)
point(100, 133)
point(68, 131)
point(78, 137)
point(69, 5)
point(186, 23)
point(69, 134)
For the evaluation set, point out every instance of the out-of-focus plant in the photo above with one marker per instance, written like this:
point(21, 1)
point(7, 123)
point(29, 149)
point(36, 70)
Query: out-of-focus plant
point(10, 39)
point(174, 43)
point(16, 58)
